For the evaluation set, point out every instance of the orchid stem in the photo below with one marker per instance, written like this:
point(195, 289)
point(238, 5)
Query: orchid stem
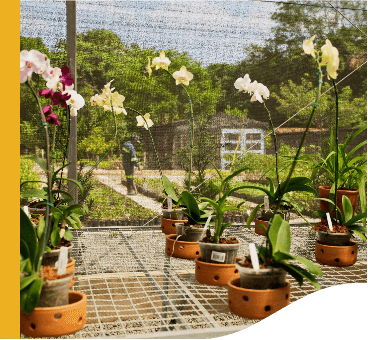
point(337, 146)
point(49, 200)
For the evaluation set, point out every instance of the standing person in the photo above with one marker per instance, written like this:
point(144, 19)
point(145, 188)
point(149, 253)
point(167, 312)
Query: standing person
point(130, 160)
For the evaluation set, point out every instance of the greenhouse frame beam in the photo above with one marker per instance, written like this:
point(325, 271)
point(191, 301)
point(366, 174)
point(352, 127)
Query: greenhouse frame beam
point(71, 31)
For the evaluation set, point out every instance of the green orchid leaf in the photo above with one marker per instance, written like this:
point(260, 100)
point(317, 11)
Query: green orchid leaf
point(39, 161)
point(26, 182)
point(169, 189)
point(356, 218)
point(27, 280)
point(47, 248)
point(347, 207)
point(73, 207)
point(68, 234)
point(28, 235)
point(33, 297)
point(272, 188)
point(253, 214)
point(320, 213)
point(73, 181)
point(55, 236)
point(361, 231)
point(23, 265)
point(261, 226)
point(313, 268)
point(41, 227)
point(299, 274)
point(191, 204)
point(262, 253)
point(234, 174)
point(23, 297)
point(279, 235)
point(24, 251)
point(54, 178)
point(54, 192)
point(229, 207)
point(211, 202)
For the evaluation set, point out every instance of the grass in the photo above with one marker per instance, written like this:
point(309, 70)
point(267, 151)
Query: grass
point(105, 203)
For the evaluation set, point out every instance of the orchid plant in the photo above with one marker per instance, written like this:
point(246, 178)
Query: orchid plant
point(59, 88)
point(182, 77)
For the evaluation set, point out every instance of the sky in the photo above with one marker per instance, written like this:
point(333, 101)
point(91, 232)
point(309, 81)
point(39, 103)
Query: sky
point(210, 31)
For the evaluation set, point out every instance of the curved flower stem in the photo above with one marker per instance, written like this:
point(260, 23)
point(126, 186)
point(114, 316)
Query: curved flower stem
point(153, 144)
point(275, 144)
point(191, 132)
point(49, 200)
point(53, 148)
point(337, 146)
point(293, 165)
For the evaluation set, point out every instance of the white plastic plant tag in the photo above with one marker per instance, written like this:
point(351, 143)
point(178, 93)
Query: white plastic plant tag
point(25, 208)
point(169, 202)
point(208, 221)
point(266, 203)
point(254, 256)
point(329, 221)
point(217, 256)
point(62, 261)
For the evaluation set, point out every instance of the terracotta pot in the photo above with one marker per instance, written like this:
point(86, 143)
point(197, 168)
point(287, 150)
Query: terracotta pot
point(336, 256)
point(256, 304)
point(181, 249)
point(257, 229)
point(168, 226)
point(70, 267)
point(189, 233)
point(51, 257)
point(218, 252)
point(324, 191)
point(56, 321)
point(214, 273)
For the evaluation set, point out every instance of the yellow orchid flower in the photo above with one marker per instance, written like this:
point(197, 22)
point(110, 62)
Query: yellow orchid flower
point(183, 76)
point(308, 47)
point(144, 121)
point(161, 61)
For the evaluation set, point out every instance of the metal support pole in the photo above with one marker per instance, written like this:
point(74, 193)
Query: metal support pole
point(71, 31)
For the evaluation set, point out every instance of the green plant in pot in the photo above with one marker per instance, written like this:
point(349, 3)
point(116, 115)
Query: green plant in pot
point(36, 278)
point(276, 252)
point(197, 214)
point(63, 216)
point(176, 211)
point(334, 246)
point(346, 171)
point(214, 248)
point(274, 196)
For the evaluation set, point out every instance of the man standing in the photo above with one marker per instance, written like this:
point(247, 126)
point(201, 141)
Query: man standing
point(130, 161)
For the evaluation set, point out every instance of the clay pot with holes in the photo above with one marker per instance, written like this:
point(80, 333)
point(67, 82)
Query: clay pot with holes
point(335, 249)
point(56, 321)
point(181, 249)
point(324, 192)
point(168, 225)
point(214, 273)
point(258, 293)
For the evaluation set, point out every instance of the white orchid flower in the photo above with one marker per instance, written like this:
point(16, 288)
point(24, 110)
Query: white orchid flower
point(308, 47)
point(258, 90)
point(161, 62)
point(31, 61)
point(242, 84)
point(183, 76)
point(117, 99)
point(54, 81)
point(330, 57)
point(144, 121)
point(76, 101)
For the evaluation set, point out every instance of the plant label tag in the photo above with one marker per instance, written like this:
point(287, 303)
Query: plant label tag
point(329, 221)
point(217, 256)
point(208, 221)
point(169, 202)
point(25, 209)
point(62, 261)
point(254, 256)
point(266, 203)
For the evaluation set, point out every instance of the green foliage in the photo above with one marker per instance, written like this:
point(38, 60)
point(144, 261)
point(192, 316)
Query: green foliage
point(347, 218)
point(27, 174)
point(30, 259)
point(196, 213)
point(277, 255)
point(105, 203)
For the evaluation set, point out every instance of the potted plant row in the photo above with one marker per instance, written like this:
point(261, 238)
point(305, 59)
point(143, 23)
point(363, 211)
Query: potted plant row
point(47, 307)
